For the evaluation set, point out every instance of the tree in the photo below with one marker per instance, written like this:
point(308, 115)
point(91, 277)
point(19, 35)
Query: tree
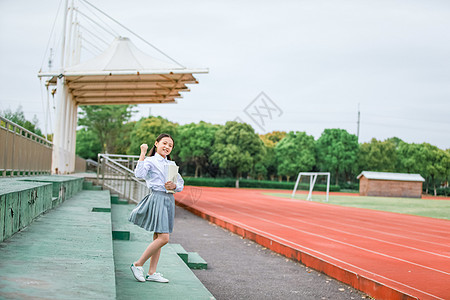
point(272, 138)
point(427, 160)
point(337, 152)
point(411, 158)
point(237, 148)
point(123, 140)
point(88, 145)
point(395, 140)
point(295, 153)
point(18, 117)
point(377, 156)
point(269, 164)
point(106, 122)
point(197, 140)
point(146, 130)
point(438, 168)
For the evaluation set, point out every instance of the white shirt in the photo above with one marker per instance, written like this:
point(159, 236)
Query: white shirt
point(153, 170)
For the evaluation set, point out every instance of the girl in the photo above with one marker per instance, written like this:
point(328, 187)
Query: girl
point(156, 211)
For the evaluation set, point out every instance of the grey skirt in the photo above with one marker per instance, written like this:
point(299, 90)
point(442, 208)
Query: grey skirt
point(155, 212)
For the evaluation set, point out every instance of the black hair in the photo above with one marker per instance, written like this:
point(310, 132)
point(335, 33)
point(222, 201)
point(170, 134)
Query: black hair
point(159, 138)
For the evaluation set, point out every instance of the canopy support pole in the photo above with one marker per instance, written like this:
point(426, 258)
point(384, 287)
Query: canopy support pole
point(63, 156)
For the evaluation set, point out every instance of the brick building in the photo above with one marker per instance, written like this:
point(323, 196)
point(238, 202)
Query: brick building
point(390, 184)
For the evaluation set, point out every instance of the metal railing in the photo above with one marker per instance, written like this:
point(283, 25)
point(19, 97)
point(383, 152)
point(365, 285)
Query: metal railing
point(115, 172)
point(22, 152)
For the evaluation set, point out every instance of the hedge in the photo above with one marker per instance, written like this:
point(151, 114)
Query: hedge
point(443, 191)
point(251, 183)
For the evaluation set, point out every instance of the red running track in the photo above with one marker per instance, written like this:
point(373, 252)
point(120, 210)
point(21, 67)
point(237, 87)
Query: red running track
point(386, 255)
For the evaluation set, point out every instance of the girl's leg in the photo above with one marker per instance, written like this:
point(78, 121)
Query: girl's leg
point(159, 240)
point(154, 259)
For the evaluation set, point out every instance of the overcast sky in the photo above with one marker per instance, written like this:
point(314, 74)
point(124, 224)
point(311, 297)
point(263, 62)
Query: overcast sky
point(316, 60)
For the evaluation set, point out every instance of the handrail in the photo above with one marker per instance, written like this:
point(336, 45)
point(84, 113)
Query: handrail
point(130, 161)
point(120, 179)
point(37, 138)
point(116, 163)
point(23, 152)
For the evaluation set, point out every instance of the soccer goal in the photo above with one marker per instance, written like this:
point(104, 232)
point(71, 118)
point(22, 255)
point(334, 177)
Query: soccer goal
point(312, 181)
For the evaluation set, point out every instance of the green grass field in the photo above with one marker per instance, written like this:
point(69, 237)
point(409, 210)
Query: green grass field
point(420, 207)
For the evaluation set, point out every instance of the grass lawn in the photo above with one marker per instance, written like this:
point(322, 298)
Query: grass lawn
point(420, 207)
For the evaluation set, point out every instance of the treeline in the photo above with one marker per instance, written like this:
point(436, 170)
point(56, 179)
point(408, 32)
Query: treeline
point(235, 150)
point(18, 117)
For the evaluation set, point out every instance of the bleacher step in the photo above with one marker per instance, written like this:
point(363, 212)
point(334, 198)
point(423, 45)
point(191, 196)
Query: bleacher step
point(116, 200)
point(89, 186)
point(121, 235)
point(196, 262)
point(62, 253)
point(183, 282)
point(181, 252)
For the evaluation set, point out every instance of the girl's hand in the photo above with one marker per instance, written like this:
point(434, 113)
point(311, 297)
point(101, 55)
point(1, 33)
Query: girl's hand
point(169, 185)
point(144, 148)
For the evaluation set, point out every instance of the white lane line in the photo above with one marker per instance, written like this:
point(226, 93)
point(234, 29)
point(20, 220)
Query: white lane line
point(336, 241)
point(350, 233)
point(382, 232)
point(440, 231)
point(275, 237)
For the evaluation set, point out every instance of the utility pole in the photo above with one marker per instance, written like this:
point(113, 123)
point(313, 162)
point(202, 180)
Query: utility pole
point(359, 118)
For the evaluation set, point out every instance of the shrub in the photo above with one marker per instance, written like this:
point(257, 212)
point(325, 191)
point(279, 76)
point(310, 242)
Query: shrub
point(252, 183)
point(443, 191)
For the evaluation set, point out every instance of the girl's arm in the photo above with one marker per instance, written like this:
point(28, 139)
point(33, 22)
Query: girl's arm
point(180, 184)
point(142, 166)
point(144, 148)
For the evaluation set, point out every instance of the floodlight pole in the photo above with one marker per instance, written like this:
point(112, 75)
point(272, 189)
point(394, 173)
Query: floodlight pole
point(359, 115)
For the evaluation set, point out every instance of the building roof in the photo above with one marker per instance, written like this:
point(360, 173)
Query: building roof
point(391, 176)
point(123, 74)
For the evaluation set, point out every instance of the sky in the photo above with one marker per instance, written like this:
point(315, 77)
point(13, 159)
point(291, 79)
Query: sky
point(315, 62)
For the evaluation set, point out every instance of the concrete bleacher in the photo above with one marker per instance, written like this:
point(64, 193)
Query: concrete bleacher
point(22, 199)
point(82, 248)
point(183, 283)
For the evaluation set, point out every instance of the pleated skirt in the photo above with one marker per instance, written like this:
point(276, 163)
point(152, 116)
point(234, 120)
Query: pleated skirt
point(155, 212)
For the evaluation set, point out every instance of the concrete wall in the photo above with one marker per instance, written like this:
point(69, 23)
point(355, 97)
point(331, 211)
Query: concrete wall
point(390, 188)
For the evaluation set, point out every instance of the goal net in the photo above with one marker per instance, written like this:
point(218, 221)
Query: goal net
point(312, 181)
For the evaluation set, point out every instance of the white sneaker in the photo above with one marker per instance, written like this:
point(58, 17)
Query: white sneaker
point(138, 273)
point(158, 277)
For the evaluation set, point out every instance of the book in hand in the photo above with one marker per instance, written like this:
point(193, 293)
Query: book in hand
point(172, 175)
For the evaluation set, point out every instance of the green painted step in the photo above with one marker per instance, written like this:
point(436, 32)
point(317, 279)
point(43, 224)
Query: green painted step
point(181, 252)
point(101, 209)
point(66, 254)
point(87, 185)
point(196, 262)
point(116, 200)
point(64, 186)
point(22, 199)
point(121, 235)
point(183, 282)
point(192, 259)
point(96, 188)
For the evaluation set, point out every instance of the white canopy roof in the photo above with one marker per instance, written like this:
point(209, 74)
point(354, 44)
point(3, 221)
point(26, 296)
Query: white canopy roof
point(391, 176)
point(125, 75)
